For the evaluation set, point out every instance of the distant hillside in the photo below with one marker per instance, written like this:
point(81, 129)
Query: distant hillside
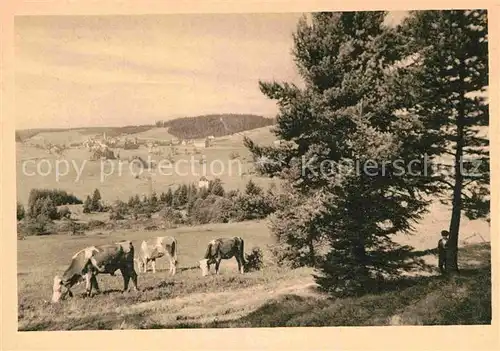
point(25, 134)
point(116, 131)
point(216, 125)
point(182, 128)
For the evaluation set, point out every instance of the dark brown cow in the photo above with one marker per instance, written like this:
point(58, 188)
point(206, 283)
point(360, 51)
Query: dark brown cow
point(89, 262)
point(223, 249)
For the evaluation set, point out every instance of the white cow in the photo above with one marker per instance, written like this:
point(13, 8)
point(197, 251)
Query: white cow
point(156, 248)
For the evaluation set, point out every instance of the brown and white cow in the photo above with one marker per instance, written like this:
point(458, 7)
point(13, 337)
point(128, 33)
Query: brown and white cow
point(156, 248)
point(223, 248)
point(89, 262)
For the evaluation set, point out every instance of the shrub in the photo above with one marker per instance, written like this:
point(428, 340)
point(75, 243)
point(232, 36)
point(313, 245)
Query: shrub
point(87, 205)
point(254, 260)
point(250, 207)
point(44, 207)
point(215, 187)
point(180, 196)
point(64, 212)
point(119, 210)
point(115, 216)
point(39, 226)
point(232, 194)
point(66, 227)
point(45, 202)
point(171, 215)
point(143, 209)
point(59, 197)
point(212, 209)
point(20, 211)
point(95, 224)
point(20, 235)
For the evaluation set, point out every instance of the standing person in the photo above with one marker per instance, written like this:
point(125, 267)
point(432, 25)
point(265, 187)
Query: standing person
point(442, 246)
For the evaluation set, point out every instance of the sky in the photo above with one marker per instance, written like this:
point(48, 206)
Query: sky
point(76, 71)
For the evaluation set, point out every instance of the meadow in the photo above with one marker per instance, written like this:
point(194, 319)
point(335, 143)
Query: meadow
point(270, 297)
point(267, 298)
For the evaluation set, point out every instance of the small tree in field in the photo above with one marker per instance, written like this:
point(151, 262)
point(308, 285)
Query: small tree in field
point(169, 197)
point(216, 188)
point(87, 205)
point(96, 201)
point(153, 200)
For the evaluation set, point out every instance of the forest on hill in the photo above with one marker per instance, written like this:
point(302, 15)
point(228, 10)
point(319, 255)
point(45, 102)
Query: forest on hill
point(216, 125)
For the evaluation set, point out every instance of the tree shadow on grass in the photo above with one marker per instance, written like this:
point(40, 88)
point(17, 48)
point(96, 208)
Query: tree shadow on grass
point(423, 253)
point(373, 309)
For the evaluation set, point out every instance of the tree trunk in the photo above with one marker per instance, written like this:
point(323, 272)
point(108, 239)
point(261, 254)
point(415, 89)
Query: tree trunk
point(452, 251)
point(312, 253)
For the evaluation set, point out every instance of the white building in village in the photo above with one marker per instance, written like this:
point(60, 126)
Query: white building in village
point(203, 182)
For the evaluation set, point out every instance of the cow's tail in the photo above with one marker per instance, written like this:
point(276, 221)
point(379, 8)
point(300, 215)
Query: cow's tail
point(173, 250)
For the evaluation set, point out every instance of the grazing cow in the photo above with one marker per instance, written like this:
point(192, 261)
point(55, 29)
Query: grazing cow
point(89, 262)
point(223, 248)
point(156, 248)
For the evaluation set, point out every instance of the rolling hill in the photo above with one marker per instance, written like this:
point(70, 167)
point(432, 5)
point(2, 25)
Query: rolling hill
point(181, 128)
point(216, 125)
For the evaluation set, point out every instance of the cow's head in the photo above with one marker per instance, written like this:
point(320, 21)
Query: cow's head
point(204, 267)
point(57, 289)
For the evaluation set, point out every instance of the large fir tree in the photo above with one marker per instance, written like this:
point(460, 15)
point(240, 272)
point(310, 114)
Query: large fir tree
point(345, 116)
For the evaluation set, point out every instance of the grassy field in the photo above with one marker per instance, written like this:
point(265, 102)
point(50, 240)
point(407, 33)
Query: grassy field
point(270, 297)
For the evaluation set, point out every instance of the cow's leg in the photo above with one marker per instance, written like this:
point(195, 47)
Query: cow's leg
point(240, 264)
point(243, 263)
point(153, 265)
point(126, 279)
point(173, 267)
point(94, 283)
point(217, 264)
point(144, 265)
point(66, 291)
point(88, 283)
point(127, 273)
point(133, 275)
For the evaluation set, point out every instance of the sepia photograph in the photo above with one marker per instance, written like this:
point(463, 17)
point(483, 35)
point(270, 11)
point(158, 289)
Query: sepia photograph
point(252, 170)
